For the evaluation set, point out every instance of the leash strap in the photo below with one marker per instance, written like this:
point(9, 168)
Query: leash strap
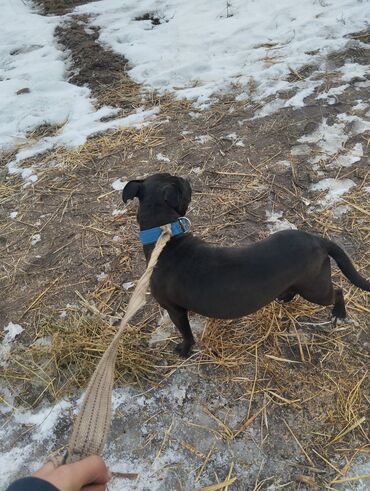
point(92, 425)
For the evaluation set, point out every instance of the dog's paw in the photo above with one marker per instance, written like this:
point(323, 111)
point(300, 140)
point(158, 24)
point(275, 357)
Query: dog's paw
point(183, 349)
point(337, 320)
point(286, 297)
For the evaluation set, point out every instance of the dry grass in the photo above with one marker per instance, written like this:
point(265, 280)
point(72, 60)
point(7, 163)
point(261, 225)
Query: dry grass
point(285, 357)
point(64, 353)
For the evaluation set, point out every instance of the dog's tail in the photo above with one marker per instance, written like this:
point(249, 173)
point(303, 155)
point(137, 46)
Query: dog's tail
point(346, 266)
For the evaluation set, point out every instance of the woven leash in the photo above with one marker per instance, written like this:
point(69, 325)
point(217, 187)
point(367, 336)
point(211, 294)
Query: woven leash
point(92, 425)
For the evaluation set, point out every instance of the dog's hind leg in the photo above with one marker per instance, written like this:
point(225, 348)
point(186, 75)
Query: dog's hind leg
point(179, 317)
point(339, 309)
point(286, 296)
point(320, 290)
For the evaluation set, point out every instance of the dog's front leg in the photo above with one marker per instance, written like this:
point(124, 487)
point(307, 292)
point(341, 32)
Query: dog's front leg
point(179, 317)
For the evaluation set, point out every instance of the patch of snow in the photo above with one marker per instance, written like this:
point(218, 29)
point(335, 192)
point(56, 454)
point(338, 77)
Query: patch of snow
point(162, 333)
point(101, 276)
point(269, 108)
point(333, 92)
point(357, 470)
point(27, 173)
point(116, 212)
point(202, 139)
point(363, 85)
point(340, 210)
point(353, 70)
point(352, 156)
point(360, 106)
point(233, 137)
point(329, 138)
point(34, 88)
point(358, 125)
point(13, 214)
point(276, 222)
point(197, 50)
point(297, 100)
point(44, 419)
point(12, 331)
point(118, 185)
point(44, 341)
point(335, 189)
point(128, 285)
point(300, 150)
point(162, 158)
point(35, 239)
point(13, 460)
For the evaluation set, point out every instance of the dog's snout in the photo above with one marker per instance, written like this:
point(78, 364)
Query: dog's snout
point(186, 178)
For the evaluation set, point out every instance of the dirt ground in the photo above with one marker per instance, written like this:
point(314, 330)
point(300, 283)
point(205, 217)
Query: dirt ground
point(295, 418)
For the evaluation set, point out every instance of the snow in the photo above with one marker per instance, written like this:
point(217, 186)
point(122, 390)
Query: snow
point(12, 330)
point(352, 156)
point(300, 150)
point(340, 210)
point(13, 214)
point(199, 49)
point(117, 212)
point(357, 124)
point(202, 139)
point(118, 185)
point(333, 92)
point(329, 138)
point(162, 158)
point(335, 189)
point(13, 460)
point(31, 59)
point(276, 222)
point(128, 285)
point(43, 420)
point(353, 70)
point(35, 239)
point(101, 276)
point(360, 106)
point(297, 100)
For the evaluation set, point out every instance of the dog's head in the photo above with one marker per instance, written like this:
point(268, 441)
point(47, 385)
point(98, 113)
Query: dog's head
point(162, 198)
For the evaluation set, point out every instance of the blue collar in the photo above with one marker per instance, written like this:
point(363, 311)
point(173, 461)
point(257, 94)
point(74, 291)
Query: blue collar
point(151, 235)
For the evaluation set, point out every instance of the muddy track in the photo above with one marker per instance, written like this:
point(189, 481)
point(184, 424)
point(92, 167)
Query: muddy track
point(58, 7)
point(92, 65)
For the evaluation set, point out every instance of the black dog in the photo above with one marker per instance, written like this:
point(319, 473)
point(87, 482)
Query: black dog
point(228, 283)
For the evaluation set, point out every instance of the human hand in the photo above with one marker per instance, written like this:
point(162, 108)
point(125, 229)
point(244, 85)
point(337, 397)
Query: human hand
point(90, 474)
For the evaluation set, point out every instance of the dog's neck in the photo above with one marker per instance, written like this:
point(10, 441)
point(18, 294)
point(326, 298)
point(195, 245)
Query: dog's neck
point(153, 219)
point(150, 220)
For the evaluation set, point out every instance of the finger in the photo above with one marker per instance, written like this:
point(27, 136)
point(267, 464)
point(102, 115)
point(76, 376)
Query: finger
point(45, 470)
point(91, 470)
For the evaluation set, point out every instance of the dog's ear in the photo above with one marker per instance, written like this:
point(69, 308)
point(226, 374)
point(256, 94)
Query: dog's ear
point(172, 196)
point(132, 190)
